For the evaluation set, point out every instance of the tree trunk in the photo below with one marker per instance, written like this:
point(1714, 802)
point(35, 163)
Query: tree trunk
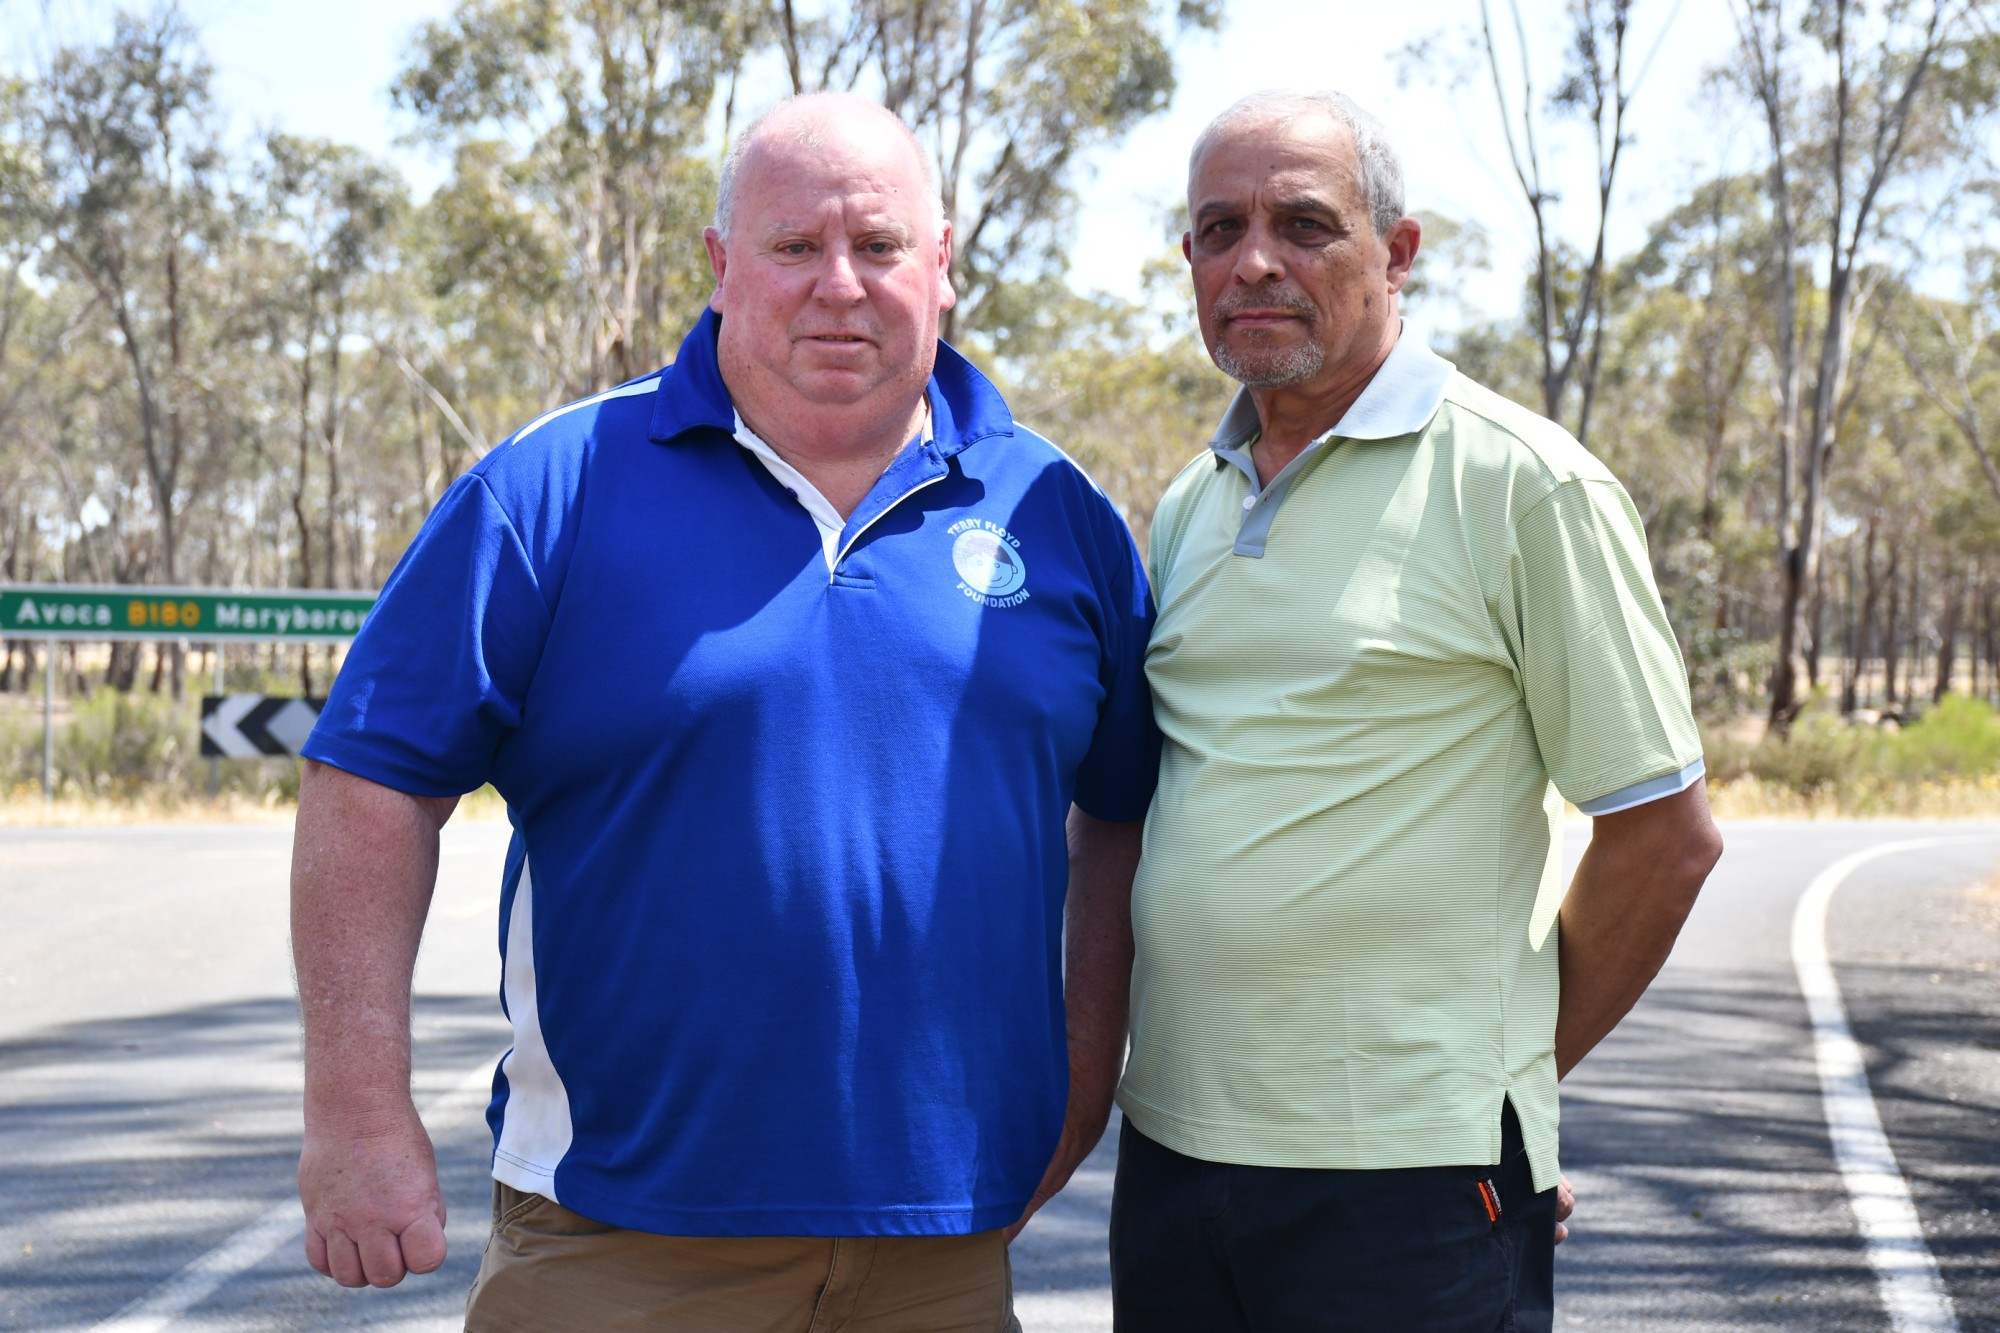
point(1815, 624)
point(1954, 599)
point(1892, 645)
point(1850, 641)
point(1987, 639)
point(1871, 589)
point(1916, 633)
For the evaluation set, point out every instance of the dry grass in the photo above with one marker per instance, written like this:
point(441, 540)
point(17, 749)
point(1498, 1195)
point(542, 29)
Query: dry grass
point(23, 807)
point(1949, 798)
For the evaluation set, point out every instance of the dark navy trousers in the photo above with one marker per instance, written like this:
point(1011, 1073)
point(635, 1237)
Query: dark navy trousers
point(1212, 1247)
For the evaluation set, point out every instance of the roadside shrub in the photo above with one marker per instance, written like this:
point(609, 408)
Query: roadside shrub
point(1823, 755)
point(1946, 763)
point(20, 751)
point(123, 745)
point(1958, 738)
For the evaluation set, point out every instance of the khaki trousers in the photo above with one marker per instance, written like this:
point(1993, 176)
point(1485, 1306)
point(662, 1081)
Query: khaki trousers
point(548, 1269)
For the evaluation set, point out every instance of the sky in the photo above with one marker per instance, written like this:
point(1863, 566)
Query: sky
point(324, 70)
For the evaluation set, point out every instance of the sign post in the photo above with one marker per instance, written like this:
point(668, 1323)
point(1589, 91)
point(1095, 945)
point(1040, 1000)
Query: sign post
point(49, 721)
point(55, 612)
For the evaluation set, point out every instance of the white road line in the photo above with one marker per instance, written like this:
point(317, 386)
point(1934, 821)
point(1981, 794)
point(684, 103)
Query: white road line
point(277, 1226)
point(1905, 1273)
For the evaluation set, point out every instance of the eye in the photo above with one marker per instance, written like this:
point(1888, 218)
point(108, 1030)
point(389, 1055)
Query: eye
point(795, 249)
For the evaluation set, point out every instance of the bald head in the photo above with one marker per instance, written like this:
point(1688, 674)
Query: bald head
point(809, 122)
point(832, 266)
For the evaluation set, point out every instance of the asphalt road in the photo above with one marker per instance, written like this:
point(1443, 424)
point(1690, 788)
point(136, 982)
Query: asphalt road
point(148, 1095)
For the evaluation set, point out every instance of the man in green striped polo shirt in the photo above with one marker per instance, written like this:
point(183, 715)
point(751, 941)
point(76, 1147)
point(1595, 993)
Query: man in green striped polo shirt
point(1400, 619)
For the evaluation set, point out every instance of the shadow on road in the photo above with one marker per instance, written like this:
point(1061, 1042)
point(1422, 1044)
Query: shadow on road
point(1700, 1152)
point(134, 1146)
point(1932, 1033)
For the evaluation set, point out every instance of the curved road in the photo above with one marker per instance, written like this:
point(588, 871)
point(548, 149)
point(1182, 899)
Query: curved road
point(148, 1094)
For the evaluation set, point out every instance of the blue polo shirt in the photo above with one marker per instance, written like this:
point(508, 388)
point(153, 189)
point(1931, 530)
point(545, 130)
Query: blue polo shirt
point(781, 920)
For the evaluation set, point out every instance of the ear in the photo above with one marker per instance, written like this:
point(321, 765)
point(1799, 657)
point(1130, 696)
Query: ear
point(947, 296)
point(718, 260)
point(1187, 246)
point(1403, 241)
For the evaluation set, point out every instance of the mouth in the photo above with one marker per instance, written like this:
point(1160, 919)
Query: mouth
point(1261, 316)
point(835, 339)
point(1252, 323)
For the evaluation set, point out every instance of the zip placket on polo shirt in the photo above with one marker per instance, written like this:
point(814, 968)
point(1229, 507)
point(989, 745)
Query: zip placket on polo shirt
point(1402, 398)
point(837, 533)
point(825, 517)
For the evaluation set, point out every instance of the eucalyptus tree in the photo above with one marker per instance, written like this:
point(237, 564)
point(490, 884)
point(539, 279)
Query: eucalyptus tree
point(582, 179)
point(1009, 94)
point(1952, 349)
point(127, 186)
point(1602, 66)
point(332, 214)
point(1854, 100)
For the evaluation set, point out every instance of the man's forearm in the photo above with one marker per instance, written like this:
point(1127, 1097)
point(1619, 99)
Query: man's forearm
point(1097, 966)
point(1634, 888)
point(1097, 981)
point(364, 861)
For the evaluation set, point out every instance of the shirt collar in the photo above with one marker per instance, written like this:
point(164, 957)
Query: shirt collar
point(1400, 400)
point(965, 407)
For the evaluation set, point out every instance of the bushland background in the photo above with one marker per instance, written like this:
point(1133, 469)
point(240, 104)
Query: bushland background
point(233, 354)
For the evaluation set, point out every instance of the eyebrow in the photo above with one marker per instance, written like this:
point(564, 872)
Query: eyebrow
point(778, 231)
point(890, 226)
point(1306, 203)
point(1297, 203)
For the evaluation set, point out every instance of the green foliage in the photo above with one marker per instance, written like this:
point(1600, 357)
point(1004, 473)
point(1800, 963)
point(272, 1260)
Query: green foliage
point(120, 745)
point(1007, 144)
point(1726, 671)
point(20, 750)
point(1960, 737)
point(257, 361)
point(1129, 394)
point(1865, 769)
point(567, 235)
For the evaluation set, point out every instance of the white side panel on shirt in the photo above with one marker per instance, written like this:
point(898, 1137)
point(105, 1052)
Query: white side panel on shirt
point(535, 1128)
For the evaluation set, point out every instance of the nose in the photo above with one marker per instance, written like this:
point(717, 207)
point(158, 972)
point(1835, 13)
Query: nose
point(1257, 256)
point(839, 281)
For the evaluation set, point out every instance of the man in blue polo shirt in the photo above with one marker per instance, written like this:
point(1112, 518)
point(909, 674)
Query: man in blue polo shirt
point(792, 662)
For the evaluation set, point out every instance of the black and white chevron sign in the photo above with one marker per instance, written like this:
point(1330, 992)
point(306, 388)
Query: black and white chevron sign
point(255, 726)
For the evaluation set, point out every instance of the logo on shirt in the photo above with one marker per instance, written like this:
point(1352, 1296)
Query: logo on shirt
point(989, 564)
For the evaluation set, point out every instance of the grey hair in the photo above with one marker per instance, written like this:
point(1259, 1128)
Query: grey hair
point(807, 132)
point(1381, 165)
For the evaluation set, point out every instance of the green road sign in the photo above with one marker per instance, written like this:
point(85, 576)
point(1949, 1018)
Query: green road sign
point(211, 615)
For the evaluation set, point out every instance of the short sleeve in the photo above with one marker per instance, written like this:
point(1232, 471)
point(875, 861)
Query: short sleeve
point(1601, 672)
point(436, 679)
point(1115, 781)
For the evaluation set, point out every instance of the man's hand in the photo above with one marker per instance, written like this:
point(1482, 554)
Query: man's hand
point(1635, 886)
point(1097, 985)
point(1565, 1205)
point(364, 860)
point(370, 1190)
point(1074, 1145)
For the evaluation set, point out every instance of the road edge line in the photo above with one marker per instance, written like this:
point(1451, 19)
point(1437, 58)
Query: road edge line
point(250, 1245)
point(1906, 1273)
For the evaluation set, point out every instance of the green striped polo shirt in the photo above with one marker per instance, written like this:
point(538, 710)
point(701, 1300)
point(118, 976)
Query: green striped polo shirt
point(1377, 678)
